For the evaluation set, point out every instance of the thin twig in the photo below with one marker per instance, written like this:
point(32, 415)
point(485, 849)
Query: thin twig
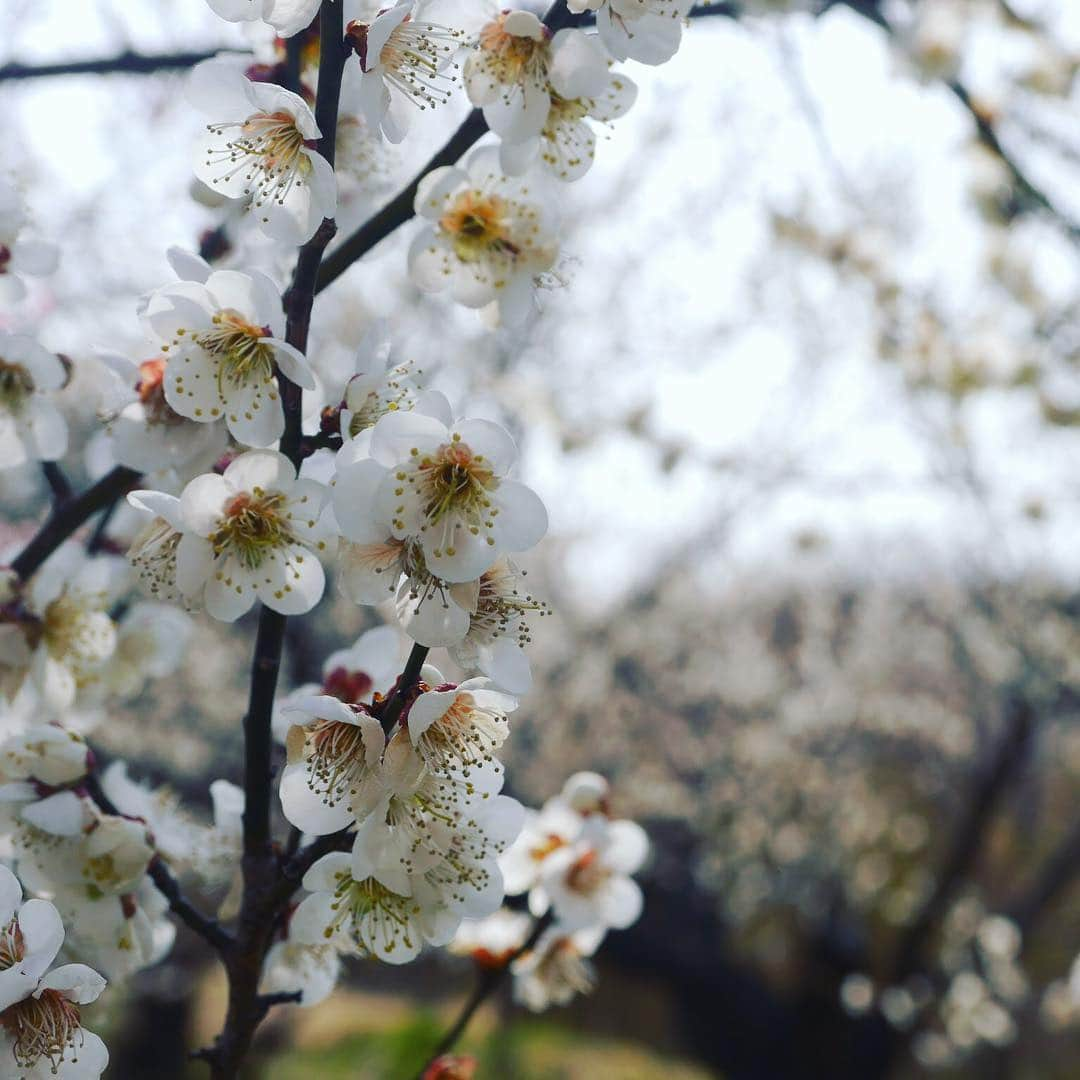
point(207, 928)
point(68, 516)
point(127, 63)
point(488, 981)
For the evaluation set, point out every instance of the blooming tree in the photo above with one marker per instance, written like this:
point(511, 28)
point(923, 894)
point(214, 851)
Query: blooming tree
point(252, 484)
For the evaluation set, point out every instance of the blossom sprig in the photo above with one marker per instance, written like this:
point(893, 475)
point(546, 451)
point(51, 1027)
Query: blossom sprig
point(258, 147)
point(41, 1032)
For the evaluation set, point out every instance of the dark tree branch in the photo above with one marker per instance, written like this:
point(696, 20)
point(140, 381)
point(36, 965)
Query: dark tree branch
point(127, 63)
point(395, 702)
point(57, 481)
point(488, 981)
point(67, 517)
point(263, 893)
point(1058, 874)
point(169, 887)
point(1008, 759)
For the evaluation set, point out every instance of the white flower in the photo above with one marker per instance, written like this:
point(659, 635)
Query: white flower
point(441, 488)
point(252, 532)
point(19, 256)
point(153, 551)
point(147, 433)
point(354, 675)
point(290, 966)
point(260, 151)
point(32, 428)
point(61, 634)
point(287, 17)
point(151, 642)
point(487, 237)
point(555, 826)
point(44, 752)
point(375, 387)
point(333, 750)
point(645, 30)
point(566, 144)
point(587, 882)
point(224, 346)
point(491, 941)
point(404, 63)
point(498, 608)
point(442, 829)
point(364, 916)
point(518, 64)
point(41, 1032)
point(557, 969)
point(459, 727)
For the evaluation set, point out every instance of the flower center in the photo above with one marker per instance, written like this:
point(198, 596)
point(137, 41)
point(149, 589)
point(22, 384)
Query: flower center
point(16, 386)
point(78, 633)
point(376, 913)
point(42, 1027)
point(242, 356)
point(5, 258)
point(550, 843)
point(153, 554)
point(477, 224)
point(338, 759)
point(151, 391)
point(12, 947)
point(455, 481)
point(412, 58)
point(252, 528)
point(269, 150)
point(587, 874)
point(511, 58)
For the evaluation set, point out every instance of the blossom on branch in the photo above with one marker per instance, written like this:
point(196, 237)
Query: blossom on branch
point(487, 237)
point(224, 346)
point(259, 147)
point(17, 255)
point(648, 31)
point(404, 64)
point(252, 532)
point(32, 428)
point(41, 1032)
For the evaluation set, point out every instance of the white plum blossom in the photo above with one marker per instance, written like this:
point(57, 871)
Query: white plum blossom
point(566, 144)
point(356, 912)
point(60, 634)
point(152, 552)
point(146, 433)
point(435, 500)
point(354, 675)
point(287, 17)
point(32, 428)
point(224, 345)
point(404, 62)
point(19, 256)
point(41, 1032)
point(290, 966)
point(252, 532)
point(495, 608)
point(459, 727)
point(588, 882)
point(555, 826)
point(518, 64)
point(257, 148)
point(648, 31)
point(376, 385)
point(333, 749)
point(556, 969)
point(151, 641)
point(47, 753)
point(493, 940)
point(487, 237)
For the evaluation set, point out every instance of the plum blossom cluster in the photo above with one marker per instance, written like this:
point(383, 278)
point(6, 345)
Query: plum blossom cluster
point(575, 862)
point(260, 476)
